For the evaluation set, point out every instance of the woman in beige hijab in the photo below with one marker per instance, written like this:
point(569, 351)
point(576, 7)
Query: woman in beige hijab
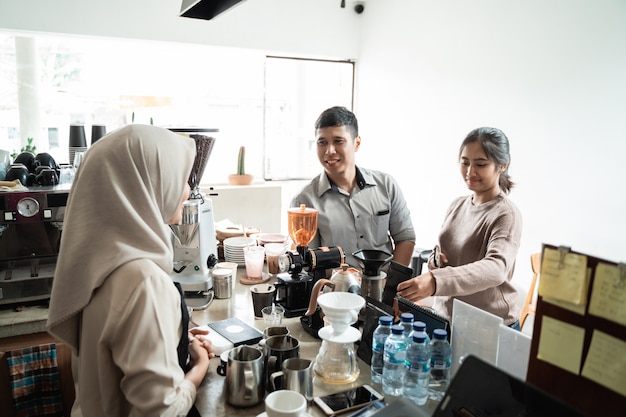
point(113, 300)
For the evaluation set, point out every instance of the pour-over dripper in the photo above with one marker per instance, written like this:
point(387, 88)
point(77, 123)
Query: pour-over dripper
point(341, 309)
point(372, 261)
point(302, 224)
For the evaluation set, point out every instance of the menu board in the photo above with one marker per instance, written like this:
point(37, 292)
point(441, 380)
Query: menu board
point(578, 350)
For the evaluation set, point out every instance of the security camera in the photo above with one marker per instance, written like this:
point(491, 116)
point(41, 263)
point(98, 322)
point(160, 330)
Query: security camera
point(359, 8)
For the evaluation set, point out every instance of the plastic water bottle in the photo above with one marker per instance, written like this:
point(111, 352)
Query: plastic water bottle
point(406, 320)
point(417, 369)
point(394, 357)
point(379, 338)
point(440, 361)
point(419, 327)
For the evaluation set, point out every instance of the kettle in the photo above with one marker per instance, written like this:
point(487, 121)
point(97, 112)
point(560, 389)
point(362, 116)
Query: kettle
point(346, 279)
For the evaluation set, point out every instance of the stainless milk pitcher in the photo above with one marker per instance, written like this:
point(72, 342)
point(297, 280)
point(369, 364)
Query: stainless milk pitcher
point(244, 376)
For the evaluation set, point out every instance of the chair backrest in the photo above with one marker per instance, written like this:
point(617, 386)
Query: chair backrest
point(530, 303)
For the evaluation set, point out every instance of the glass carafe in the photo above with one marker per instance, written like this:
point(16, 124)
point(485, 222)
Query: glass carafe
point(337, 362)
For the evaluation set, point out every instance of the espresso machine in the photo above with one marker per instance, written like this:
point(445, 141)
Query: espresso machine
point(30, 236)
point(303, 266)
point(193, 240)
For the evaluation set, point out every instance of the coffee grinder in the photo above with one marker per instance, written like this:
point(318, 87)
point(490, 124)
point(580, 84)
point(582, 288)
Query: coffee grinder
point(194, 242)
point(303, 266)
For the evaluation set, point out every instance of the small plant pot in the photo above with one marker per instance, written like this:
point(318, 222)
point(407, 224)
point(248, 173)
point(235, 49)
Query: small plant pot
point(235, 179)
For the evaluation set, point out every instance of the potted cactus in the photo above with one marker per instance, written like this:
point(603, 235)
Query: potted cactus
point(240, 178)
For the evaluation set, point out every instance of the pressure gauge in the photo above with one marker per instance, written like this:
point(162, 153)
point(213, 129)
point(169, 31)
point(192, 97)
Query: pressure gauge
point(28, 207)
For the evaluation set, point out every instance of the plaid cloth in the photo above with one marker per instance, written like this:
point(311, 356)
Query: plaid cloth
point(35, 381)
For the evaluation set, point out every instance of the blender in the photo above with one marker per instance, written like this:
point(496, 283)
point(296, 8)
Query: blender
point(303, 266)
point(336, 361)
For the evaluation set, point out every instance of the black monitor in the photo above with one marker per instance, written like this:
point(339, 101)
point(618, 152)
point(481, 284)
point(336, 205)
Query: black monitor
point(479, 389)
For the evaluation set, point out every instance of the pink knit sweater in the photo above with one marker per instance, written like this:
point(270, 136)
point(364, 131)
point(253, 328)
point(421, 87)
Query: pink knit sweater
point(481, 244)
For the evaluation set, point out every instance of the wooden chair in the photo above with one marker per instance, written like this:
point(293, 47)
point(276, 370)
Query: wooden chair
point(531, 303)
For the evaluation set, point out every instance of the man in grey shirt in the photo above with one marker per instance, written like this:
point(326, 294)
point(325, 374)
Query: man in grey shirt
point(358, 208)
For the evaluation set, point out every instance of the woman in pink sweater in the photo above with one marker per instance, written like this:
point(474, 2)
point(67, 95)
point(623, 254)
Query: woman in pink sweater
point(479, 238)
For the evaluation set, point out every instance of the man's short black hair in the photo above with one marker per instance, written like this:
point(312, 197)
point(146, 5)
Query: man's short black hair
point(338, 116)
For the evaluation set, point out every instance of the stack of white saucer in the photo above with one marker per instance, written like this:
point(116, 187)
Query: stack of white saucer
point(233, 248)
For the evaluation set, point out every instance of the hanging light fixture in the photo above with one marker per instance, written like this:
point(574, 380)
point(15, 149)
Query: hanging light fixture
point(206, 9)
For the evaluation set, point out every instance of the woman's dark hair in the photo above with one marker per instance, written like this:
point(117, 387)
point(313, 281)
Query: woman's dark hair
point(496, 146)
point(338, 116)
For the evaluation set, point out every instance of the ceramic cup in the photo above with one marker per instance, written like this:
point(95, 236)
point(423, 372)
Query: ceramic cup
point(285, 403)
point(221, 368)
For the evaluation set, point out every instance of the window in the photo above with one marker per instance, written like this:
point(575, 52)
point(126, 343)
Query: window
point(268, 104)
point(296, 92)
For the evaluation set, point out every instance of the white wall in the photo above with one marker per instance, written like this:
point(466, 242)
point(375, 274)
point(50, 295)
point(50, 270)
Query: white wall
point(317, 27)
point(549, 74)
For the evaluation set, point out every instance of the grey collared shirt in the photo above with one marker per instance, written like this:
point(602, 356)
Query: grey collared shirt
point(370, 217)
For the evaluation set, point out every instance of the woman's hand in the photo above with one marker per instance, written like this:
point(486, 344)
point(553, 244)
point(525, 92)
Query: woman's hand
point(198, 361)
point(197, 352)
point(439, 262)
point(418, 288)
point(198, 334)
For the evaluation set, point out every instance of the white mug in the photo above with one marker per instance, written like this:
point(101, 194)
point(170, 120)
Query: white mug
point(285, 403)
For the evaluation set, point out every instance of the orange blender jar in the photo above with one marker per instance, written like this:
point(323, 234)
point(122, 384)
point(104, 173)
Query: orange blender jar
point(302, 225)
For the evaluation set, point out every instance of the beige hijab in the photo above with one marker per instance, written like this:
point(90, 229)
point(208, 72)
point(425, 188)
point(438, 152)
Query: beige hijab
point(129, 184)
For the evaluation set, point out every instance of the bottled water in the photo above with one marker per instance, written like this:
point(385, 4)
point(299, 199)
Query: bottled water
point(440, 361)
point(379, 338)
point(419, 327)
point(417, 369)
point(406, 320)
point(394, 357)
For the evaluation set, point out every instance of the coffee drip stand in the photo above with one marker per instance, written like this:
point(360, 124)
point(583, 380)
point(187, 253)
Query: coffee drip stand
point(372, 262)
point(336, 361)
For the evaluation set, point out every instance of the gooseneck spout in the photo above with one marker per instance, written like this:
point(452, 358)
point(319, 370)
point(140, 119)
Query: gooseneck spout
point(315, 292)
